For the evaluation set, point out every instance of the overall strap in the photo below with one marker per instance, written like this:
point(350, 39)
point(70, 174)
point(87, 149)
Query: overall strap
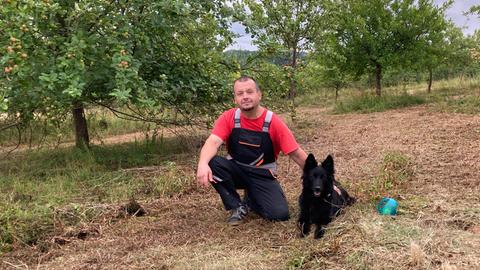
point(237, 118)
point(266, 123)
point(268, 120)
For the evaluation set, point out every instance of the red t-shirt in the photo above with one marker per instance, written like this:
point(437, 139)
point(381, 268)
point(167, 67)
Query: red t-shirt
point(280, 134)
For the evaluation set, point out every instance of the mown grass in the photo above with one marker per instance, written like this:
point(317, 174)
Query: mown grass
point(362, 239)
point(36, 186)
point(418, 237)
point(46, 190)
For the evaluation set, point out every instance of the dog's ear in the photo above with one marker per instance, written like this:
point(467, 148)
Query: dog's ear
point(310, 163)
point(327, 164)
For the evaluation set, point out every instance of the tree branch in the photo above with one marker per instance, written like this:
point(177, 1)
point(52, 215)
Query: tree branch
point(9, 126)
point(18, 142)
point(140, 117)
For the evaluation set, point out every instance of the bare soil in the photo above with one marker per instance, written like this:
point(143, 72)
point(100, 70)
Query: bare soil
point(438, 226)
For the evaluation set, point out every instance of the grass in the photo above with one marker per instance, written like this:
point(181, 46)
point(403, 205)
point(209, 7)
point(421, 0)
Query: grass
point(36, 186)
point(362, 239)
point(367, 103)
point(462, 104)
point(396, 170)
point(359, 240)
point(454, 95)
point(321, 98)
point(65, 192)
point(375, 238)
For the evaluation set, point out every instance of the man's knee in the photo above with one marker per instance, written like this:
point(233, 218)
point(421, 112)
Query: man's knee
point(277, 214)
point(217, 161)
point(221, 169)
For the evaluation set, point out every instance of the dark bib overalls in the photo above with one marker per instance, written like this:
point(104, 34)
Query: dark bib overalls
point(251, 166)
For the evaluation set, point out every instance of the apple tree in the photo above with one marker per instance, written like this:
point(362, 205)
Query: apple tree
point(58, 58)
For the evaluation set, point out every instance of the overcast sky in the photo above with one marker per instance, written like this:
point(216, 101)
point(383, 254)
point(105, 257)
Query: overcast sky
point(455, 13)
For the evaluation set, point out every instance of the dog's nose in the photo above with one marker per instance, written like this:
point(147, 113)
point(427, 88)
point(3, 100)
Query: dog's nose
point(317, 189)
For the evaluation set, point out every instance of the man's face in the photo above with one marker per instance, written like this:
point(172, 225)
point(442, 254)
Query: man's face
point(246, 96)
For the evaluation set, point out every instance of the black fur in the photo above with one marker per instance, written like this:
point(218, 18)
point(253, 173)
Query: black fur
point(319, 202)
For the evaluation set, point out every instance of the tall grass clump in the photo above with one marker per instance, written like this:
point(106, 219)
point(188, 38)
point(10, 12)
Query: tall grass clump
point(396, 169)
point(23, 224)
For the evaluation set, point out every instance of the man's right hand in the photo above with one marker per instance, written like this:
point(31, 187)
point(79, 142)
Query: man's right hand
point(209, 149)
point(204, 175)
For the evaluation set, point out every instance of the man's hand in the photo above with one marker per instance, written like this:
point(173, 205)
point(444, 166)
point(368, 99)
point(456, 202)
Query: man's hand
point(204, 175)
point(209, 149)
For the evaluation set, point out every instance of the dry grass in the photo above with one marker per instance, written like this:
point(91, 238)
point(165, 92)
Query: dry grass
point(437, 226)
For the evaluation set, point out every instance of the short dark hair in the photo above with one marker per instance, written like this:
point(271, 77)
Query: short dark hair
point(245, 78)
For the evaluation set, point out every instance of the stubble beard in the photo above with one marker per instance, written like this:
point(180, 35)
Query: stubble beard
point(248, 109)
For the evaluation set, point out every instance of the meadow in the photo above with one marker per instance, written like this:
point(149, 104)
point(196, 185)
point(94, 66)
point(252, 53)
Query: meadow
point(63, 208)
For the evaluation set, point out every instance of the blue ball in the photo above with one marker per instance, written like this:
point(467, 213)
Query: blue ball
point(387, 206)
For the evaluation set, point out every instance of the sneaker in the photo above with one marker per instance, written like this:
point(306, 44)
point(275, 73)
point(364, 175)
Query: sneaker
point(237, 215)
point(247, 202)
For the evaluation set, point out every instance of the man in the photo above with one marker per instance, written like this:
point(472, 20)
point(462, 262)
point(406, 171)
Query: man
point(254, 137)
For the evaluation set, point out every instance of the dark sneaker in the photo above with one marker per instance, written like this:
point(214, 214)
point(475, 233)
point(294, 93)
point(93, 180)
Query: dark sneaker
point(246, 201)
point(237, 215)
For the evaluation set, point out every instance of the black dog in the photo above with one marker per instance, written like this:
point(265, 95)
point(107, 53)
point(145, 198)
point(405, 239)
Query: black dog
point(322, 197)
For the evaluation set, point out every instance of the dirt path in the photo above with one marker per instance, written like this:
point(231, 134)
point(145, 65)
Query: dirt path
point(441, 203)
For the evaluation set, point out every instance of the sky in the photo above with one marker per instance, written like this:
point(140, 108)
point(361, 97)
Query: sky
point(455, 13)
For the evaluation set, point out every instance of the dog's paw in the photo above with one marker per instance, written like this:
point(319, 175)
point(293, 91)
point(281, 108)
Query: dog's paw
point(304, 228)
point(319, 232)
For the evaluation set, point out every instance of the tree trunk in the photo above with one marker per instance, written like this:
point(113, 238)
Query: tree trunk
point(337, 88)
point(378, 79)
point(293, 87)
point(430, 76)
point(82, 139)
